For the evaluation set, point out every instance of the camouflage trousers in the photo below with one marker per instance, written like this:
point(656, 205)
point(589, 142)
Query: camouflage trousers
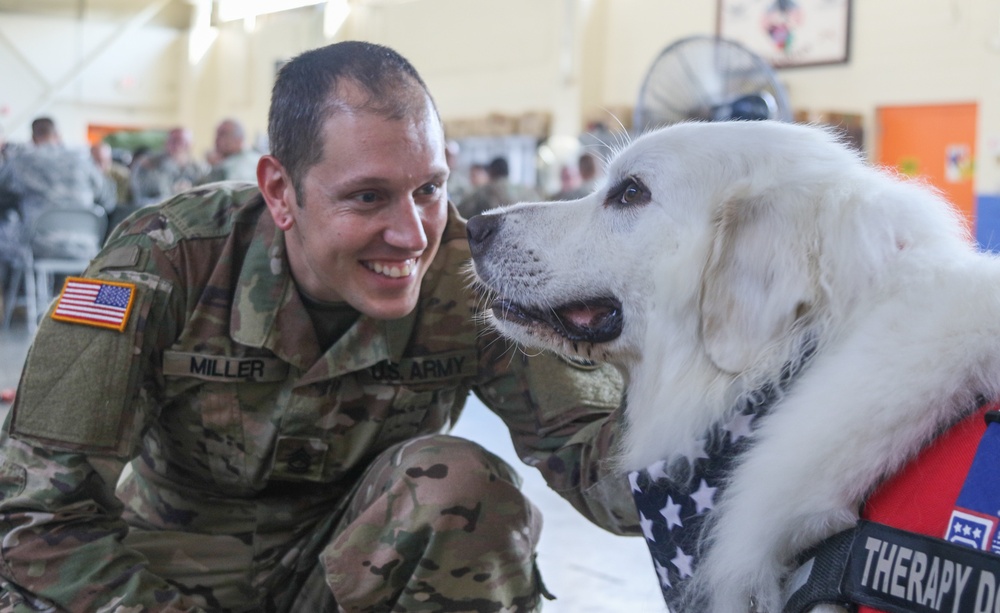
point(435, 524)
point(438, 524)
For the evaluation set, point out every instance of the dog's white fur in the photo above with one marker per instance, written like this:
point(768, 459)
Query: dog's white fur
point(757, 238)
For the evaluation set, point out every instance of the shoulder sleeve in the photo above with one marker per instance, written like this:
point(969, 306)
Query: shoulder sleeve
point(83, 388)
point(84, 398)
point(564, 419)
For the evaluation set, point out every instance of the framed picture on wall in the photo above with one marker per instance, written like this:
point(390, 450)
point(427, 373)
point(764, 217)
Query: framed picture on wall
point(789, 33)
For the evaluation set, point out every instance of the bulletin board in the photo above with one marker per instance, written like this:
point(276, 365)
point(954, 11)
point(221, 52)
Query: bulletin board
point(789, 33)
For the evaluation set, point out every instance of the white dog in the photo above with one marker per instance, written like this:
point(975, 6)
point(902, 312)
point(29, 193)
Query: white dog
point(717, 255)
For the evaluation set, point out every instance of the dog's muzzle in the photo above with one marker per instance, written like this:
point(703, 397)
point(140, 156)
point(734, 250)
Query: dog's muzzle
point(591, 320)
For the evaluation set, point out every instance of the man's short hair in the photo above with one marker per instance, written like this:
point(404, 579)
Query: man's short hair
point(42, 128)
point(305, 95)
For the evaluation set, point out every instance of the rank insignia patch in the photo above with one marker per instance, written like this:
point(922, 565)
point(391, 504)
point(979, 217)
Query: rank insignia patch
point(104, 304)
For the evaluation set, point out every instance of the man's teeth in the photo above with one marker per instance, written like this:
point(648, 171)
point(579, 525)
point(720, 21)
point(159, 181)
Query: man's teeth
point(393, 270)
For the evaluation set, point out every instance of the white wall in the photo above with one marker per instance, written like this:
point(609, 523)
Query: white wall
point(86, 73)
point(571, 58)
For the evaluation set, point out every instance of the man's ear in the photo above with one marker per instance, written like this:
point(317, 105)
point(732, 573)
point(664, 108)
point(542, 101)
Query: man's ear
point(276, 186)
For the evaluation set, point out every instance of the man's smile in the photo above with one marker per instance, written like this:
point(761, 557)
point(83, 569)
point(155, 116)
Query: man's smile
point(392, 268)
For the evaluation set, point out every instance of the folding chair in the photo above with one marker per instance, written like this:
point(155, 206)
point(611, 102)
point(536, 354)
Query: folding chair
point(62, 242)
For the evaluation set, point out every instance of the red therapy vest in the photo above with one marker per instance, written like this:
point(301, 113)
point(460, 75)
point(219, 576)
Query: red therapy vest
point(921, 497)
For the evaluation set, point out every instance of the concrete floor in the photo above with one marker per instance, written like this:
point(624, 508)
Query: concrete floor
point(589, 570)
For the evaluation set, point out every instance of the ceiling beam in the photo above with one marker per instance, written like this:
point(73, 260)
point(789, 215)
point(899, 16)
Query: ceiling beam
point(152, 8)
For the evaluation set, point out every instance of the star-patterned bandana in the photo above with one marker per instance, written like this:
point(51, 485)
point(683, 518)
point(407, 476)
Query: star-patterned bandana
point(673, 508)
point(672, 513)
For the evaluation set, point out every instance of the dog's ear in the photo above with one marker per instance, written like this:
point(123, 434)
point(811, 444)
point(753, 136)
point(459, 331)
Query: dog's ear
point(756, 284)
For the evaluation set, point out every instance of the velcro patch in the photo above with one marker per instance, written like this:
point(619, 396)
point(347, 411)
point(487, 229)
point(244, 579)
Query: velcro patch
point(93, 302)
point(415, 370)
point(222, 368)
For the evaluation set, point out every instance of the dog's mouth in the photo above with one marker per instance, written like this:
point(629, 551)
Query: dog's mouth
point(597, 320)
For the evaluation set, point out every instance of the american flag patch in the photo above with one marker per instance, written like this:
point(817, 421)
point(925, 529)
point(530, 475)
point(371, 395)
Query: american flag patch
point(105, 304)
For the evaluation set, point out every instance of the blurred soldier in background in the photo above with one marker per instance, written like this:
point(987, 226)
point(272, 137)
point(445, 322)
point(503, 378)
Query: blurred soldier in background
point(569, 184)
point(459, 185)
point(234, 160)
point(497, 192)
point(156, 177)
point(50, 175)
point(590, 173)
point(116, 176)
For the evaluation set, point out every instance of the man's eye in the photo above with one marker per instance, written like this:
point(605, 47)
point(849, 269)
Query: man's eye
point(429, 190)
point(367, 197)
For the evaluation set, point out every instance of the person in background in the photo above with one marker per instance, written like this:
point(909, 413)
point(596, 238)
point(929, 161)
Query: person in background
point(281, 385)
point(50, 175)
point(7, 149)
point(478, 176)
point(498, 191)
point(458, 181)
point(234, 161)
point(10, 255)
point(157, 176)
point(590, 173)
point(8, 201)
point(116, 176)
point(570, 187)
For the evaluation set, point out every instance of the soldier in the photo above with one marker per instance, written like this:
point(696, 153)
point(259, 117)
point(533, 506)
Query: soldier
point(569, 184)
point(590, 173)
point(278, 365)
point(168, 172)
point(498, 191)
point(116, 175)
point(235, 162)
point(458, 181)
point(48, 174)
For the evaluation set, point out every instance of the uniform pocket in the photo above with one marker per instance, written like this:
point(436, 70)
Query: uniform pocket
point(416, 412)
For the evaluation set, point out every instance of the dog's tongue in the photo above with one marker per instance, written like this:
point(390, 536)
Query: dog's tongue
point(584, 316)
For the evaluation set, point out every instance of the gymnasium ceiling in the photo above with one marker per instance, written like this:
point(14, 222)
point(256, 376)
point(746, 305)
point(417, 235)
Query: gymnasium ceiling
point(175, 13)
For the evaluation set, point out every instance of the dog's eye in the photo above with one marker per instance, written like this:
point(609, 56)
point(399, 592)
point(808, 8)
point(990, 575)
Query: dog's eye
point(629, 192)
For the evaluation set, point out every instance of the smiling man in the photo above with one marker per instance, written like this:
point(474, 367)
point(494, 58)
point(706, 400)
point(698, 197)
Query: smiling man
point(277, 366)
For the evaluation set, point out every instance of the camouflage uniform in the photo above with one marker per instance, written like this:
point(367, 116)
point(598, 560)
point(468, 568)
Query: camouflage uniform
point(160, 176)
point(118, 176)
point(459, 186)
point(51, 175)
point(240, 166)
point(266, 475)
point(497, 192)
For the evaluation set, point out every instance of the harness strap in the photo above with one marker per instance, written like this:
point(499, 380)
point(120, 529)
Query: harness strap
point(896, 571)
point(939, 553)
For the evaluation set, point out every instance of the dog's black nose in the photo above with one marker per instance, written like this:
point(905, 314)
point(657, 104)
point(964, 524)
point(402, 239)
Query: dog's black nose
point(481, 229)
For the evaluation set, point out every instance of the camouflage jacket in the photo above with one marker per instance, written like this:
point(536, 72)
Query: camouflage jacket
point(232, 420)
point(240, 166)
point(156, 178)
point(53, 176)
